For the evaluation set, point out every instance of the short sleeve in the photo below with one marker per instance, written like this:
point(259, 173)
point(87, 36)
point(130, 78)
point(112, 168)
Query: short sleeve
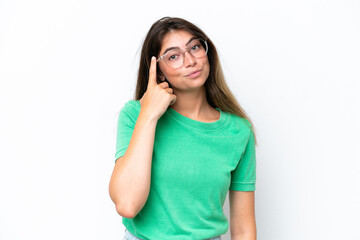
point(125, 126)
point(243, 178)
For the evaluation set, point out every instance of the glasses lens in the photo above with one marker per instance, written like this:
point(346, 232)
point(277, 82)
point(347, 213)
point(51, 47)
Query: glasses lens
point(197, 48)
point(174, 58)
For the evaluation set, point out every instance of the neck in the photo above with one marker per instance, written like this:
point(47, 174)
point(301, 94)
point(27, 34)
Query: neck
point(192, 104)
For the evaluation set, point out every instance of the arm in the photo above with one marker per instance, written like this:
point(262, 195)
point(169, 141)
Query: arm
point(130, 181)
point(129, 185)
point(242, 215)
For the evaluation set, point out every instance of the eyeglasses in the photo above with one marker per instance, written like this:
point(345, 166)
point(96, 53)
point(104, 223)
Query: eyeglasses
point(175, 58)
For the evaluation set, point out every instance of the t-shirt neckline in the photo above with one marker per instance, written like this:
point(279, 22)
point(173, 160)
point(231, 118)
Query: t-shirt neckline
point(198, 124)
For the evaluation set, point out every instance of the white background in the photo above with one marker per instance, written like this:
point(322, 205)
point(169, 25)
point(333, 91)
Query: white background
point(67, 68)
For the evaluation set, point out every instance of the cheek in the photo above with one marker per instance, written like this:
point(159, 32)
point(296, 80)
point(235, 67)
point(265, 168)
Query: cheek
point(207, 66)
point(162, 72)
point(168, 73)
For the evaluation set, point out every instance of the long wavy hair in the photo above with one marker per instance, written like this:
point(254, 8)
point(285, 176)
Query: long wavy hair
point(218, 93)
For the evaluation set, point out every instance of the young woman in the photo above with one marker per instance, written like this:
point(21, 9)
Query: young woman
point(183, 143)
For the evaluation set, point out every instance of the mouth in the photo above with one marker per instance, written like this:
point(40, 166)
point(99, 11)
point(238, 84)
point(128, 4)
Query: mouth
point(194, 74)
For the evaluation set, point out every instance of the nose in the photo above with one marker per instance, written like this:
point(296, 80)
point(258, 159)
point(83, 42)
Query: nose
point(189, 60)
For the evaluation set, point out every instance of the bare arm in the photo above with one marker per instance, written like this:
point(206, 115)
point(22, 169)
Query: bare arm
point(129, 185)
point(130, 181)
point(242, 215)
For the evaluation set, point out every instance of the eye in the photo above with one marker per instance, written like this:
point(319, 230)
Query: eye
point(196, 47)
point(173, 57)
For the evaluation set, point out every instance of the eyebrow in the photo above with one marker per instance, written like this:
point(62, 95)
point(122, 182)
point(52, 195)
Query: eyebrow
point(171, 48)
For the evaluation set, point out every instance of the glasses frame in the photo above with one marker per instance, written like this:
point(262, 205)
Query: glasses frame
point(183, 53)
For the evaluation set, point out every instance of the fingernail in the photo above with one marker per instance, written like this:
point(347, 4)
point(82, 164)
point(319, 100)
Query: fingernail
point(153, 58)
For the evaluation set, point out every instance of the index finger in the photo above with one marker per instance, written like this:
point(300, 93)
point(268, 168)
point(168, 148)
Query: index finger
point(152, 72)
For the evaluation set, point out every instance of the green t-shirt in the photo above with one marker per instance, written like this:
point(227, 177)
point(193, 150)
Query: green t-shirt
point(194, 164)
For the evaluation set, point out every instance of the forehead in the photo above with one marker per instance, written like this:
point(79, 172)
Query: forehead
point(177, 38)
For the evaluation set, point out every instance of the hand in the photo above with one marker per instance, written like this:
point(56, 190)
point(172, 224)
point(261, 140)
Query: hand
point(157, 97)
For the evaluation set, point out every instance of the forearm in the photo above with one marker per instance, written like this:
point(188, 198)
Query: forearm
point(130, 182)
point(245, 231)
point(245, 236)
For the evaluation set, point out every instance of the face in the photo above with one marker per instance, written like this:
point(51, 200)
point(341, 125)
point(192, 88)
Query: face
point(193, 73)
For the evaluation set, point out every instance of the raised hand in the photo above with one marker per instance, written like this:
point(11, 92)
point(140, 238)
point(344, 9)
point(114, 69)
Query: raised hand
point(157, 97)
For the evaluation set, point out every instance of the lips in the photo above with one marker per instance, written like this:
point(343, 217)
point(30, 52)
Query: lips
point(194, 74)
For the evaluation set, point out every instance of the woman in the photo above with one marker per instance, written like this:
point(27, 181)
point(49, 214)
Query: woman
point(183, 143)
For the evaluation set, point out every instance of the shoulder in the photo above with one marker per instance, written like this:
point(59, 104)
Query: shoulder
point(130, 109)
point(239, 122)
point(131, 106)
point(240, 126)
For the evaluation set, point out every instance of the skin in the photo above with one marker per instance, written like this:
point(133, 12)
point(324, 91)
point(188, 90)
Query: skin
point(135, 166)
point(190, 92)
point(242, 215)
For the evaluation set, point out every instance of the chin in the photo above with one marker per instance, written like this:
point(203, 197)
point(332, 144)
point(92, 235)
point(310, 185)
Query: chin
point(197, 82)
